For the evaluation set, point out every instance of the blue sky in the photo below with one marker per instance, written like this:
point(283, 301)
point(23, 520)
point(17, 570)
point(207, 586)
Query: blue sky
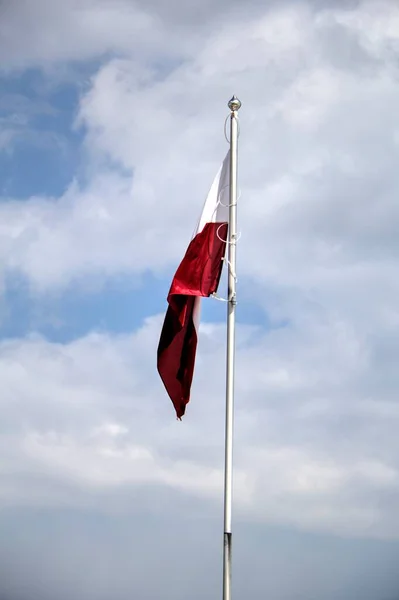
point(42, 164)
point(111, 132)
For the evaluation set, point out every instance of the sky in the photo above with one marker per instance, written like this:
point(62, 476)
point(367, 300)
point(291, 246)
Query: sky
point(111, 132)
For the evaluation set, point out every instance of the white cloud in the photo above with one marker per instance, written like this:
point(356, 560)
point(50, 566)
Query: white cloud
point(376, 24)
point(42, 32)
point(47, 33)
point(91, 415)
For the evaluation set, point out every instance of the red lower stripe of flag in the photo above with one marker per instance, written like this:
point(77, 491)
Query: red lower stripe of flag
point(198, 276)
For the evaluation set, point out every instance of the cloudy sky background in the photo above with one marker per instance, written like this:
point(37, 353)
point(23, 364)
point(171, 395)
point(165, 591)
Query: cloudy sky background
point(111, 131)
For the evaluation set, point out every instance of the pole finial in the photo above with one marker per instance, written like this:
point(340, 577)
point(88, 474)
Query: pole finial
point(234, 104)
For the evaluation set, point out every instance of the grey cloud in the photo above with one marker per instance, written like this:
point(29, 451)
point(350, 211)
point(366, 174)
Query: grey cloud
point(114, 557)
point(41, 33)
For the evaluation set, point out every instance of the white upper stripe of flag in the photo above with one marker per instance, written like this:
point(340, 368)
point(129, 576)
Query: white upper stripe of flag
point(215, 209)
point(216, 206)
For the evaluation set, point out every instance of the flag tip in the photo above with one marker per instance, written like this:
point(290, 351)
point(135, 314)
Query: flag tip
point(234, 104)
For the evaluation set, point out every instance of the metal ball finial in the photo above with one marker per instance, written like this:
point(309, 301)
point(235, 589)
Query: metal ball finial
point(234, 104)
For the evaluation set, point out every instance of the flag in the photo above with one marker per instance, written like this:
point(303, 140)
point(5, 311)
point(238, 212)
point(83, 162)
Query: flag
point(197, 276)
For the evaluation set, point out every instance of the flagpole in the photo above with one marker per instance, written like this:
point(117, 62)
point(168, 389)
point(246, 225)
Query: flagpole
point(234, 106)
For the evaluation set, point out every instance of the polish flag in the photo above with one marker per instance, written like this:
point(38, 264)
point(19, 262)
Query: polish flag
point(197, 275)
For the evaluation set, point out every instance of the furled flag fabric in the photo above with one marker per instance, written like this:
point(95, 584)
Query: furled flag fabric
point(197, 275)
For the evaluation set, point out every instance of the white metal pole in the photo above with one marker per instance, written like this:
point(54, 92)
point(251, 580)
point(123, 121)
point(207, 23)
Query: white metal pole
point(234, 106)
